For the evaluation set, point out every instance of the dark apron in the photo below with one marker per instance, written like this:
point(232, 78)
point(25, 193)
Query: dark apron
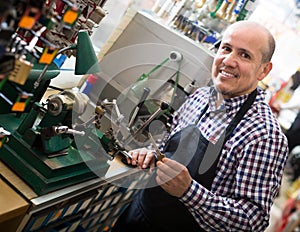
point(154, 210)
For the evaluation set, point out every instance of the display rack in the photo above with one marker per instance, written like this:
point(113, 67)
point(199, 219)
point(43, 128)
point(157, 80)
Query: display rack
point(90, 206)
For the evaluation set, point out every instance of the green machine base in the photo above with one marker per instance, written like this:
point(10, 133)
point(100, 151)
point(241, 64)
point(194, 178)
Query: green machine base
point(45, 174)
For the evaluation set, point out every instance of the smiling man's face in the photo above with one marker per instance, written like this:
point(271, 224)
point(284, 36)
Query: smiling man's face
point(238, 66)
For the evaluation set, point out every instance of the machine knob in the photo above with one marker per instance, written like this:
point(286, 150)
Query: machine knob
point(164, 106)
point(55, 106)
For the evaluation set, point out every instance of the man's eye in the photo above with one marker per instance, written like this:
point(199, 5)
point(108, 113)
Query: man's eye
point(225, 49)
point(245, 55)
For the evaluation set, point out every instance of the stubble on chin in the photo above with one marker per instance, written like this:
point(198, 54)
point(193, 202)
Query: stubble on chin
point(226, 93)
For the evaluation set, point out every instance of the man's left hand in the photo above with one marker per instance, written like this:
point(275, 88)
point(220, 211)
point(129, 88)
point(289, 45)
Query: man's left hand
point(173, 177)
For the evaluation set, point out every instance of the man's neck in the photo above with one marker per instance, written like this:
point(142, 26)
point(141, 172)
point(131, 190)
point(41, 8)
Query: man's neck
point(219, 101)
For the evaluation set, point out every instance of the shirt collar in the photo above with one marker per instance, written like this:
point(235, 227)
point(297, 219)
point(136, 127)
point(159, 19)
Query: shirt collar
point(229, 105)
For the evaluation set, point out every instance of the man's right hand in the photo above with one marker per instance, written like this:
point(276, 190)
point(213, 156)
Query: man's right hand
point(142, 158)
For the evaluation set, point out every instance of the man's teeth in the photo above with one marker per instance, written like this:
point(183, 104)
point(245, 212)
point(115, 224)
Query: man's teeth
point(227, 74)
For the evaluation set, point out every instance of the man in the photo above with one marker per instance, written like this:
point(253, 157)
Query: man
point(234, 146)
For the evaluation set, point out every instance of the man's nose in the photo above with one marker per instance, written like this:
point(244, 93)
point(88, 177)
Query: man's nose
point(230, 59)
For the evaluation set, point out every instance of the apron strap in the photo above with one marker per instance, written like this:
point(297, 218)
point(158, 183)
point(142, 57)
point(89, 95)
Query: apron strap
point(238, 117)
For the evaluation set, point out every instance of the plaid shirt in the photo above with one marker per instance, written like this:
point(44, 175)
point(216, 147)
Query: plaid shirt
point(250, 168)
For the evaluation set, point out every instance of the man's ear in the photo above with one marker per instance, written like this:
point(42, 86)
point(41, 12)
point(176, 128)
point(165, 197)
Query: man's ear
point(265, 69)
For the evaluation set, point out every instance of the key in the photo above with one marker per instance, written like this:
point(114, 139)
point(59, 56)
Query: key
point(159, 154)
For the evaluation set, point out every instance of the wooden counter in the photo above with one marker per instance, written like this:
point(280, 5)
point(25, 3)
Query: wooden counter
point(16, 181)
point(13, 207)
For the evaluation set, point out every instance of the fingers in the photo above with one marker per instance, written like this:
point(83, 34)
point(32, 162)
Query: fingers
point(134, 156)
point(173, 177)
point(143, 158)
point(149, 160)
point(169, 169)
point(170, 166)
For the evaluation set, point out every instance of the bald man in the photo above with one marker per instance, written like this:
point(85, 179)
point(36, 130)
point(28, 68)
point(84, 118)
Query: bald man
point(225, 154)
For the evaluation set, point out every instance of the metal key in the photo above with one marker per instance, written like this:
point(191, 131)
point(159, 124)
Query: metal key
point(160, 155)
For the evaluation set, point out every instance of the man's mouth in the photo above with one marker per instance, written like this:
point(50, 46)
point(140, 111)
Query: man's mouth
point(228, 74)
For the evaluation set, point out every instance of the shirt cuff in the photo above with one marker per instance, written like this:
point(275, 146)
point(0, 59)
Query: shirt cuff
point(195, 194)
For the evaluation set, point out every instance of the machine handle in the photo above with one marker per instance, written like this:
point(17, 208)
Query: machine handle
point(139, 106)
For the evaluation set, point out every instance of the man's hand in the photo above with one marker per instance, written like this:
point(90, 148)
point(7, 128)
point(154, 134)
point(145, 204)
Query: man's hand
point(173, 177)
point(142, 157)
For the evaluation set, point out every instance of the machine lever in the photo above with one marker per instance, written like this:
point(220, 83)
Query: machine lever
point(113, 103)
point(162, 107)
point(67, 130)
point(4, 132)
point(139, 106)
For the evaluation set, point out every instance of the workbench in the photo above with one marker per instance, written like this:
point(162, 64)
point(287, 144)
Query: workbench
point(92, 205)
